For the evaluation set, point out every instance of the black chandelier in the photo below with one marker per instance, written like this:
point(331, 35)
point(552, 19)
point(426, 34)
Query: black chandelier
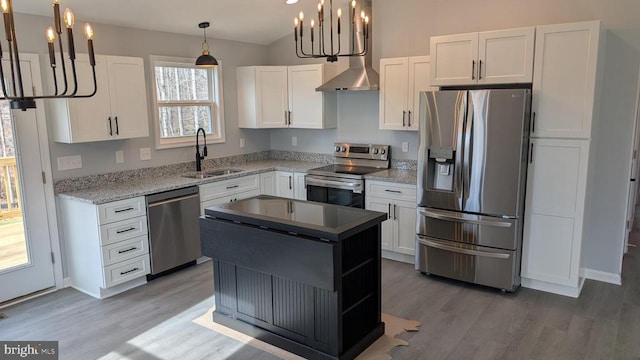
point(15, 94)
point(330, 52)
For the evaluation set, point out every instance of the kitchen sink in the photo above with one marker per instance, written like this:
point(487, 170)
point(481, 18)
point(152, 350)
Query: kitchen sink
point(211, 173)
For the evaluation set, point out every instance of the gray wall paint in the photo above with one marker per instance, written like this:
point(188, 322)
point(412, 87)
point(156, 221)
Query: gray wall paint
point(99, 157)
point(403, 28)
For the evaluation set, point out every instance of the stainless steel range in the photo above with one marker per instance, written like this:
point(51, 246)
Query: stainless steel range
point(343, 182)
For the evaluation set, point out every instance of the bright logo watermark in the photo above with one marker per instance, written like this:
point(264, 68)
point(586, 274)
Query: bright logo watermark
point(33, 350)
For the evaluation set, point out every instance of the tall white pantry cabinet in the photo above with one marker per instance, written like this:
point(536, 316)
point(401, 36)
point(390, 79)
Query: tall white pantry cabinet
point(564, 110)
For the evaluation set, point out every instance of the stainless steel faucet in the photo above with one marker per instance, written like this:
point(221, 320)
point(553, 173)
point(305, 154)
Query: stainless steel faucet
point(199, 158)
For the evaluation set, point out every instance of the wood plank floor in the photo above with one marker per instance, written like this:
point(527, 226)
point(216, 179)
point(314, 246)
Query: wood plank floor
point(459, 321)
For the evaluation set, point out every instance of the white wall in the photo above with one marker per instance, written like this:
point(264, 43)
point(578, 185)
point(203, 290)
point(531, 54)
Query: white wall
point(403, 28)
point(99, 157)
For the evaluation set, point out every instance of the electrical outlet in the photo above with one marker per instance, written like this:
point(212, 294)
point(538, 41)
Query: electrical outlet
point(294, 141)
point(119, 157)
point(405, 146)
point(241, 143)
point(145, 153)
point(69, 162)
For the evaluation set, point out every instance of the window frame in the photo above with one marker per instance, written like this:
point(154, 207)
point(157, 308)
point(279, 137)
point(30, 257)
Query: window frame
point(216, 104)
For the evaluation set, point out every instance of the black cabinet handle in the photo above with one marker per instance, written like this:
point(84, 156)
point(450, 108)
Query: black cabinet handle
point(403, 116)
point(123, 210)
point(129, 271)
point(232, 187)
point(531, 154)
point(393, 191)
point(290, 184)
point(480, 70)
point(117, 128)
point(409, 118)
point(389, 209)
point(473, 69)
point(124, 251)
point(533, 123)
point(110, 128)
point(125, 230)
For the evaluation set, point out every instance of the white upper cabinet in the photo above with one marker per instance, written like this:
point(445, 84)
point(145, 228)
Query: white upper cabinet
point(401, 80)
point(118, 110)
point(564, 80)
point(491, 57)
point(283, 96)
point(262, 96)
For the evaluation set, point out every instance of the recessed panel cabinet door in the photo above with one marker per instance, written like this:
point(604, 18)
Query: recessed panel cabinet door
point(128, 97)
point(564, 80)
point(555, 210)
point(272, 96)
point(394, 80)
point(506, 56)
point(405, 222)
point(305, 102)
point(453, 59)
point(384, 206)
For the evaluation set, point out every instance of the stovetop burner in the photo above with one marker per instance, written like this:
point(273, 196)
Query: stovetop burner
point(345, 169)
point(355, 160)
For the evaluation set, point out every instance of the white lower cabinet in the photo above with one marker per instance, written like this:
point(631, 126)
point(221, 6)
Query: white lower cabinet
point(228, 191)
point(107, 245)
point(291, 185)
point(399, 231)
point(553, 224)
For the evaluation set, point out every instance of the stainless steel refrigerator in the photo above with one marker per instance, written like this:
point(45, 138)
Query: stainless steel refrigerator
point(472, 164)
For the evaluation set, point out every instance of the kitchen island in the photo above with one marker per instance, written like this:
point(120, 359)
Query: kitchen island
point(300, 275)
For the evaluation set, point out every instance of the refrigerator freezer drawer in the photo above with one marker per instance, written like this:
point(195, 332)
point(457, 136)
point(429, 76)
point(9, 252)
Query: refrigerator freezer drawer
point(470, 228)
point(474, 264)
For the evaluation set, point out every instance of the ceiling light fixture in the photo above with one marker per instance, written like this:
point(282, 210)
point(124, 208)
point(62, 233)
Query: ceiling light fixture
point(359, 25)
point(205, 60)
point(16, 94)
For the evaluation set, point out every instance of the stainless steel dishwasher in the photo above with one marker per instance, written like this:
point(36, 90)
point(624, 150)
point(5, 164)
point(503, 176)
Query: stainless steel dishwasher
point(174, 231)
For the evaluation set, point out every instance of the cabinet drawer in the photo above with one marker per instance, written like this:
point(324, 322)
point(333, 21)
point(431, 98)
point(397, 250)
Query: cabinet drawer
point(126, 270)
point(123, 230)
point(229, 187)
point(125, 250)
point(120, 210)
point(391, 190)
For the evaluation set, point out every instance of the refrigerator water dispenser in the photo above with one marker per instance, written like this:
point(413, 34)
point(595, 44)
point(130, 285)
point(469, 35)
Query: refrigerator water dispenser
point(441, 169)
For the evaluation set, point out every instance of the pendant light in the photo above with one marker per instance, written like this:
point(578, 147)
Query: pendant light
point(205, 60)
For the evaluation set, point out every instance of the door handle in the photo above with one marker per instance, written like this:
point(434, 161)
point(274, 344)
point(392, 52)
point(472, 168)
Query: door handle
point(409, 117)
point(533, 123)
point(531, 154)
point(286, 120)
point(110, 128)
point(127, 250)
point(125, 230)
point(290, 184)
point(480, 70)
point(395, 212)
point(129, 271)
point(117, 128)
point(403, 116)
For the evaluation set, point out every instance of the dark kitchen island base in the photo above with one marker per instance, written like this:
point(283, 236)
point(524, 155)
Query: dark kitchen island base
point(312, 291)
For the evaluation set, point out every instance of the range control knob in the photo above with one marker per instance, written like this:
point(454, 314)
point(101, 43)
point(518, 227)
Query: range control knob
point(343, 149)
point(383, 151)
point(337, 148)
point(375, 151)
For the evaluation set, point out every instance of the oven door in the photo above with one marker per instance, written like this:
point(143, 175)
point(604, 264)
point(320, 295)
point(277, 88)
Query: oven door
point(329, 190)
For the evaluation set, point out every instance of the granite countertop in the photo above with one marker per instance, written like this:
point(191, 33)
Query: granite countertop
point(125, 189)
point(150, 185)
point(395, 175)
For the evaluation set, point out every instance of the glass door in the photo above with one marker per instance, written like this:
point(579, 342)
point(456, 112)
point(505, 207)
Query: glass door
point(25, 248)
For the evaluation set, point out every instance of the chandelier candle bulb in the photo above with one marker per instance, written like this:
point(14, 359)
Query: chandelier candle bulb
point(312, 24)
point(301, 16)
point(69, 21)
point(295, 29)
point(353, 12)
point(51, 36)
point(339, 15)
point(88, 33)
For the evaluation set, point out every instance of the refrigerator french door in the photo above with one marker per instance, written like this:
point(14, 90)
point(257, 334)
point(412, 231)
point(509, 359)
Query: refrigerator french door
point(471, 176)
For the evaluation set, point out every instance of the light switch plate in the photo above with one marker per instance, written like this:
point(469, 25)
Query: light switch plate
point(405, 146)
point(69, 162)
point(145, 153)
point(119, 157)
point(294, 141)
point(241, 143)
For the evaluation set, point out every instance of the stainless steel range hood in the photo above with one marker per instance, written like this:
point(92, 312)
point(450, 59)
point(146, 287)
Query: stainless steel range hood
point(360, 74)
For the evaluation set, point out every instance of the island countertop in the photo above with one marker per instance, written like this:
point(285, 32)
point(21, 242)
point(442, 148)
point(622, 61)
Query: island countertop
point(312, 219)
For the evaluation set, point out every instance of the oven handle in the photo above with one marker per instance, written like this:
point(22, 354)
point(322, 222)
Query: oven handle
point(438, 245)
point(469, 218)
point(311, 181)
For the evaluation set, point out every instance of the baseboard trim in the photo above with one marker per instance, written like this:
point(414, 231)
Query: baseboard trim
point(391, 255)
point(66, 282)
point(603, 276)
point(564, 290)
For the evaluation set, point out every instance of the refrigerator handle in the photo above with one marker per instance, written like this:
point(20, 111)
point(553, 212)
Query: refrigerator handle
point(439, 245)
point(468, 153)
point(466, 218)
point(457, 178)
